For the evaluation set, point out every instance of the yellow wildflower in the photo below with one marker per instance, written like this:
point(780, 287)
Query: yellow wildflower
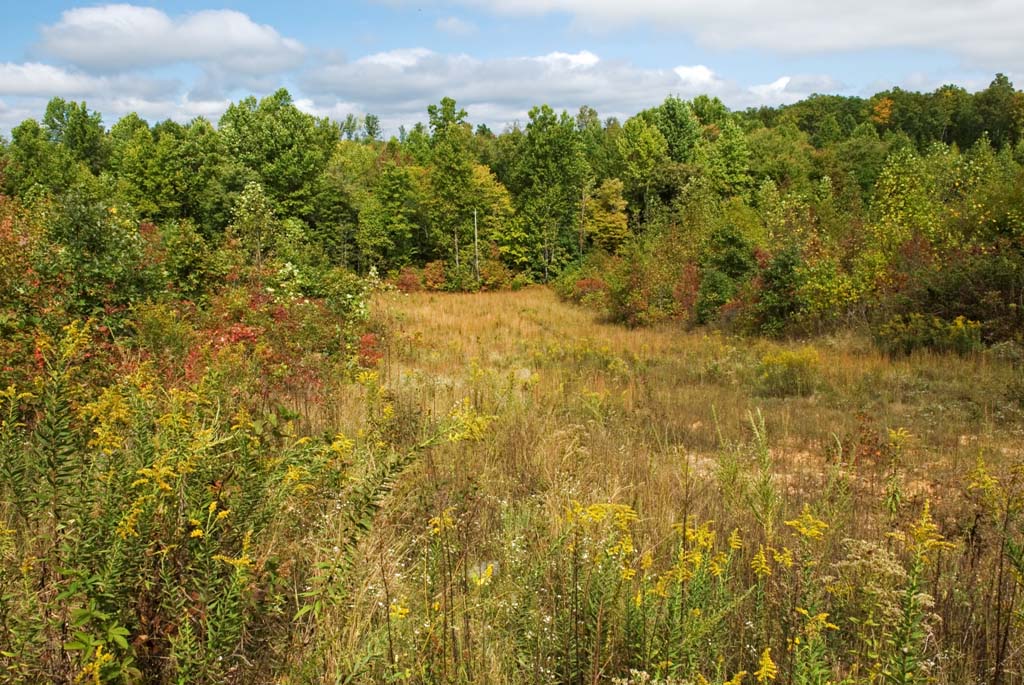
point(807, 525)
point(444, 522)
point(767, 670)
point(925, 535)
point(760, 563)
point(718, 563)
point(784, 557)
point(485, 576)
point(646, 561)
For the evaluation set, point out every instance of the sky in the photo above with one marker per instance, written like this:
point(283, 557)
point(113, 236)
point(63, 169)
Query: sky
point(497, 58)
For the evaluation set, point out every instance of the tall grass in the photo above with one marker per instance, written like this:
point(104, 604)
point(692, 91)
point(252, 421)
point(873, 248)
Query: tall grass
point(515, 493)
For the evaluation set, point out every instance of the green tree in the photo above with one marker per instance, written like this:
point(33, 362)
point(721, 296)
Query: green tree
point(79, 130)
point(340, 193)
point(349, 127)
point(726, 261)
point(605, 212)
point(710, 111)
point(103, 249)
point(417, 144)
point(284, 146)
point(495, 221)
point(191, 175)
point(131, 154)
point(1000, 109)
point(726, 161)
point(388, 219)
point(783, 154)
point(863, 156)
point(903, 206)
point(642, 149)
point(371, 127)
point(778, 300)
point(550, 177)
point(34, 162)
point(680, 127)
point(254, 223)
point(450, 175)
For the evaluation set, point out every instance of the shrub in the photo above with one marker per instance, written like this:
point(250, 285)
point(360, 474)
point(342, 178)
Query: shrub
point(409, 280)
point(369, 350)
point(716, 288)
point(778, 301)
point(986, 286)
point(788, 373)
point(494, 275)
point(905, 334)
point(686, 291)
point(345, 294)
point(434, 275)
point(162, 331)
point(521, 280)
point(187, 262)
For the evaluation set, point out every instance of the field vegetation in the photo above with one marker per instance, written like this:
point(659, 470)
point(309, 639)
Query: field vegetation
point(702, 397)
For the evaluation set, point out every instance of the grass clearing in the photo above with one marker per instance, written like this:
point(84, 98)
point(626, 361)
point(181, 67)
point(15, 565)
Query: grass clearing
point(635, 441)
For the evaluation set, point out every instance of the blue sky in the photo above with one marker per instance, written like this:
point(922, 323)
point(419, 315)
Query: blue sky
point(496, 57)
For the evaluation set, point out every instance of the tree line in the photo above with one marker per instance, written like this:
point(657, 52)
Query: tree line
point(781, 218)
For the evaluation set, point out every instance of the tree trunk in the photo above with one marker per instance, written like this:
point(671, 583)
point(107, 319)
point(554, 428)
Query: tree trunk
point(476, 250)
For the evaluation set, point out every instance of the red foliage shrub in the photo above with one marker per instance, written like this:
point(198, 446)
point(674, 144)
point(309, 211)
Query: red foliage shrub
point(686, 289)
point(588, 286)
point(369, 350)
point(409, 280)
point(433, 275)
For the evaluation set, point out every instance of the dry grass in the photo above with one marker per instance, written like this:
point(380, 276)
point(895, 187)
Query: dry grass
point(637, 402)
point(664, 421)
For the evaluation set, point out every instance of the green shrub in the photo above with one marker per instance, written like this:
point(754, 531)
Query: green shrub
point(345, 294)
point(521, 280)
point(778, 298)
point(716, 288)
point(162, 331)
point(905, 334)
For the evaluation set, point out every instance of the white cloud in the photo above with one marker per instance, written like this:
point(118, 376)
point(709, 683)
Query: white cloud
point(455, 26)
point(984, 32)
point(11, 116)
point(398, 85)
point(332, 110)
point(775, 89)
point(697, 77)
point(45, 80)
point(34, 78)
point(580, 60)
point(122, 37)
point(395, 59)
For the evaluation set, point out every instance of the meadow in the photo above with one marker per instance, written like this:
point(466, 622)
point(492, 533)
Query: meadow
point(657, 506)
point(282, 402)
point(501, 488)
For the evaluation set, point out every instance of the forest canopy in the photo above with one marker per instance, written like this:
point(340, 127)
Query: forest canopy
point(785, 219)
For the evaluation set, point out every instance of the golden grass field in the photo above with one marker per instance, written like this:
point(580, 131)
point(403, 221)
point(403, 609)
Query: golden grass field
point(641, 403)
point(684, 429)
